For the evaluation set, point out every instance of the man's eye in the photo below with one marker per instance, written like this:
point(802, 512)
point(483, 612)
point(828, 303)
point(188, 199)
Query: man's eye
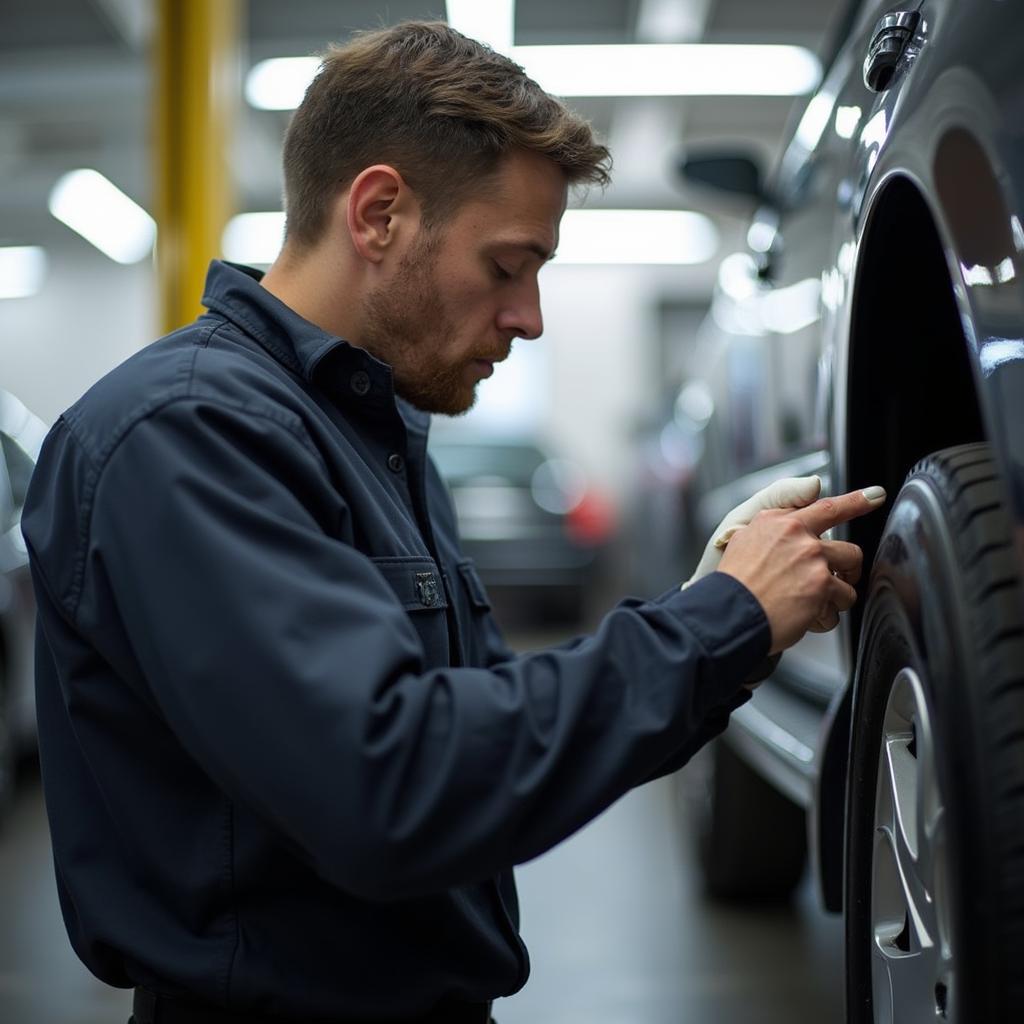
point(500, 272)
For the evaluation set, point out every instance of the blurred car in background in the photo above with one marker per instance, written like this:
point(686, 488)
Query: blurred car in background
point(538, 532)
point(664, 541)
point(21, 435)
point(873, 333)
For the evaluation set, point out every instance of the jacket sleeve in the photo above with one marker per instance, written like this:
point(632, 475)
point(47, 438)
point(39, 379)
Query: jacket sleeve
point(285, 665)
point(714, 725)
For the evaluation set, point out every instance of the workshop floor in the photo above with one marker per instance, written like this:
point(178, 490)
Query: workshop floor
point(618, 930)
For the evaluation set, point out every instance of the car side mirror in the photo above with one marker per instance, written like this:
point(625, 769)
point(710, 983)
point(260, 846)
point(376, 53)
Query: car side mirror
point(735, 173)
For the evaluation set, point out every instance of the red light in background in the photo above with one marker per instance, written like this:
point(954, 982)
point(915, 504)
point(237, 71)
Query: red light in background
point(591, 521)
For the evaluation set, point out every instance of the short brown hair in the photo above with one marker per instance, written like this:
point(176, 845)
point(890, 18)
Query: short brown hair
point(439, 107)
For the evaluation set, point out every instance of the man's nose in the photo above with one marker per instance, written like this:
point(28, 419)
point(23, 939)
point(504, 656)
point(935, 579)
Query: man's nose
point(523, 315)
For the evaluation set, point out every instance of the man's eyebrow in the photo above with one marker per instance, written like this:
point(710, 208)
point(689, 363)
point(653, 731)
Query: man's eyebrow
point(535, 247)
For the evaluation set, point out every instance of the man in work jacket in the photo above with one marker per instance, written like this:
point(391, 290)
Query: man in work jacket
point(288, 762)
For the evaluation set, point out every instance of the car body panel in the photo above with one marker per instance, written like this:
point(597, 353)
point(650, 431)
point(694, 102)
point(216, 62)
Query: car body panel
point(954, 126)
point(777, 350)
point(943, 117)
point(21, 434)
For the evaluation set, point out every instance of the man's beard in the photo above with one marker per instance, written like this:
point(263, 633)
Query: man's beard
point(407, 326)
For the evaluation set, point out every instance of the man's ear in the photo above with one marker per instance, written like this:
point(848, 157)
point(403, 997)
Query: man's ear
point(380, 211)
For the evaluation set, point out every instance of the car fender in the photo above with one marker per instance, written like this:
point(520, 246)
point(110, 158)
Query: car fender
point(948, 121)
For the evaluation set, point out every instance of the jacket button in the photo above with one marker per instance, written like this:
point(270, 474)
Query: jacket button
point(360, 382)
point(396, 463)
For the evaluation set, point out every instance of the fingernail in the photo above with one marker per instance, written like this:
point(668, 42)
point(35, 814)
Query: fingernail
point(874, 494)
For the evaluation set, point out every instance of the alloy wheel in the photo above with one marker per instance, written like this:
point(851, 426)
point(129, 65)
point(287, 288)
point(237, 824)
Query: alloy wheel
point(912, 963)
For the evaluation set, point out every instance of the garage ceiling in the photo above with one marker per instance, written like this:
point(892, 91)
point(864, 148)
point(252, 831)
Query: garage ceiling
point(74, 90)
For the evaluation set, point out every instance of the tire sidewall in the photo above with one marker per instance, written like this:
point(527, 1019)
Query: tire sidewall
point(915, 619)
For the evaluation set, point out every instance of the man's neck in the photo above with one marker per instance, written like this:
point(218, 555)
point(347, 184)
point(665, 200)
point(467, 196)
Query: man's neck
point(316, 296)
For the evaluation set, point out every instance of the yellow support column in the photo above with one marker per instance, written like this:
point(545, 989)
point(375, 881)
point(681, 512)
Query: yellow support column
point(196, 86)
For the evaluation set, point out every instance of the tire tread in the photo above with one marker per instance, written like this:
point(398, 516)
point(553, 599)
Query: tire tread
point(969, 483)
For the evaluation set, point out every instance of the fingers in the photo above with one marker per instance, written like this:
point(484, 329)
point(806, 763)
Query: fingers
point(844, 559)
point(829, 512)
point(788, 493)
point(841, 595)
point(827, 620)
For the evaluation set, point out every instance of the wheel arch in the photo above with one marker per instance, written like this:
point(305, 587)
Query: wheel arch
point(905, 318)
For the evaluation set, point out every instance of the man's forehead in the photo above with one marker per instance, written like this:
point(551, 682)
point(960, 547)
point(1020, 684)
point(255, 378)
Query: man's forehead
point(498, 221)
point(513, 219)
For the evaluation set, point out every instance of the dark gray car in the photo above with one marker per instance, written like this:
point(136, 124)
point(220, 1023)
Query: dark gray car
point(537, 531)
point(873, 332)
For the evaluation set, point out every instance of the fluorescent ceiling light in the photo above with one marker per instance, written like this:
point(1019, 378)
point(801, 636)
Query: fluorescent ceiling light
point(587, 236)
point(629, 69)
point(671, 69)
point(102, 214)
point(279, 83)
point(671, 21)
point(22, 270)
point(636, 236)
point(253, 237)
point(490, 21)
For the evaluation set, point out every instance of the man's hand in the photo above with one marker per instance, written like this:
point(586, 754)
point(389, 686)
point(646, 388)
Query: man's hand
point(801, 581)
point(791, 492)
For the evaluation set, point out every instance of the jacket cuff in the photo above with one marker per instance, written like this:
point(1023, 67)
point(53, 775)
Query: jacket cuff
point(767, 666)
point(730, 624)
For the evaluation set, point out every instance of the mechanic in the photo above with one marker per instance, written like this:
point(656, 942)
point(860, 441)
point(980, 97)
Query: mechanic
point(288, 762)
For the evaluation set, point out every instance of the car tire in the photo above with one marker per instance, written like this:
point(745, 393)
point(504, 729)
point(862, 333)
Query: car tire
point(934, 900)
point(752, 841)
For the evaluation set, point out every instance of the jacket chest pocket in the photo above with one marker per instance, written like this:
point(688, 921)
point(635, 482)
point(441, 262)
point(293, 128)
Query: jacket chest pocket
point(473, 607)
point(418, 587)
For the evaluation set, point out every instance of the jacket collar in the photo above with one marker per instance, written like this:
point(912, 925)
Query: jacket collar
point(234, 291)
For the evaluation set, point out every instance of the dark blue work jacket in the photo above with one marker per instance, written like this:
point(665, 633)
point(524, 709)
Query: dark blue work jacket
point(288, 762)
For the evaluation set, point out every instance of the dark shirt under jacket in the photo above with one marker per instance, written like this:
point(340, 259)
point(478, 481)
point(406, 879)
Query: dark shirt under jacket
point(288, 762)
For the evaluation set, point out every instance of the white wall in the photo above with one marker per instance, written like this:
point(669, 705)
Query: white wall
point(90, 315)
point(599, 366)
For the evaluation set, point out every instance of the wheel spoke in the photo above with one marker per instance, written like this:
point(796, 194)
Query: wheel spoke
point(911, 958)
point(905, 780)
point(904, 972)
point(881, 986)
point(929, 812)
point(911, 988)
